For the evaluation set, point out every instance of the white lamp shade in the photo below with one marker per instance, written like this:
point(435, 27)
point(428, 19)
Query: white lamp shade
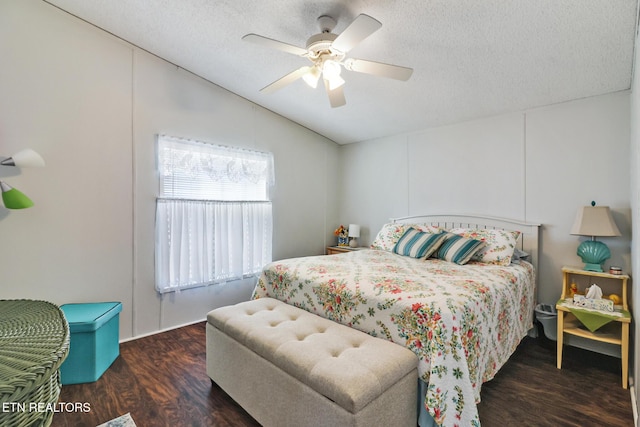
point(24, 159)
point(354, 230)
point(335, 82)
point(330, 69)
point(595, 221)
point(312, 76)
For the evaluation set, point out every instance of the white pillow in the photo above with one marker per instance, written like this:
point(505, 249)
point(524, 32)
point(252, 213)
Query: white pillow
point(499, 244)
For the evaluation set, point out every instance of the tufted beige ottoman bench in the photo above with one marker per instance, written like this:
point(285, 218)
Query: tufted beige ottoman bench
point(288, 367)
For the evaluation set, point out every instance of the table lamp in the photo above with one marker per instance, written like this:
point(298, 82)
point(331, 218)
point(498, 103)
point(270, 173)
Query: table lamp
point(594, 221)
point(354, 233)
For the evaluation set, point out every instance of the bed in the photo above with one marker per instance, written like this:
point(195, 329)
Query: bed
point(462, 317)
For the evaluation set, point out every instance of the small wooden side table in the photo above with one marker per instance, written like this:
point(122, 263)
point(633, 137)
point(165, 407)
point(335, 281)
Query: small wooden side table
point(618, 336)
point(333, 250)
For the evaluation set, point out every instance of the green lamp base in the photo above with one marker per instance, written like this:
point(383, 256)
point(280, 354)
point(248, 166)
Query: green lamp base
point(593, 254)
point(593, 267)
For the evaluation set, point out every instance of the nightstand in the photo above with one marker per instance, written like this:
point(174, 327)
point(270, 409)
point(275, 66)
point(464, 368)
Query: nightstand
point(333, 250)
point(616, 332)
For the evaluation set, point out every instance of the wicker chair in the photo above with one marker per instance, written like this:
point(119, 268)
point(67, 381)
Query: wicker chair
point(34, 341)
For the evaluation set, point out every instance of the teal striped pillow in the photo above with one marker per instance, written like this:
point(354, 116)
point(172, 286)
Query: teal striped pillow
point(458, 249)
point(418, 244)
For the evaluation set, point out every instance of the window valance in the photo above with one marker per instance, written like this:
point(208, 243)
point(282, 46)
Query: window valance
point(188, 168)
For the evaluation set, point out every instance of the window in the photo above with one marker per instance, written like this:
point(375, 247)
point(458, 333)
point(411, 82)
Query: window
point(213, 214)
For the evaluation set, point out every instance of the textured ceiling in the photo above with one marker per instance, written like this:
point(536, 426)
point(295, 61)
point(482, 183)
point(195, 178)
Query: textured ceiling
point(471, 58)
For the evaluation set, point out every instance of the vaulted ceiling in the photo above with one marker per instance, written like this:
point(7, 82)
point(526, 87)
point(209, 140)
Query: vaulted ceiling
point(471, 58)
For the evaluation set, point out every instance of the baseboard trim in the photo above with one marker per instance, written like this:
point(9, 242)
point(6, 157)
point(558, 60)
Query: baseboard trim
point(161, 331)
point(634, 405)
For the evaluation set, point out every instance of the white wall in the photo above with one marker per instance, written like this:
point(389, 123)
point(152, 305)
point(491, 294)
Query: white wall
point(635, 208)
point(538, 166)
point(577, 152)
point(66, 93)
point(91, 105)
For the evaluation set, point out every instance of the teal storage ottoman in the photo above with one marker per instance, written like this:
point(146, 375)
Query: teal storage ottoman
point(95, 332)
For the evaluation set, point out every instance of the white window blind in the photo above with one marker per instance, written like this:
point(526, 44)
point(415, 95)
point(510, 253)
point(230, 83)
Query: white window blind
point(213, 216)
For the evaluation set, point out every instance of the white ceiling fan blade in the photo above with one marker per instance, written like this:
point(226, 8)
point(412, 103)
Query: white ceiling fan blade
point(361, 28)
point(289, 78)
point(275, 44)
point(336, 96)
point(378, 69)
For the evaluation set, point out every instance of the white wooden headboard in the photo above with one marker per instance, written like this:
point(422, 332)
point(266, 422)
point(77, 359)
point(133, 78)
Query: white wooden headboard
point(529, 237)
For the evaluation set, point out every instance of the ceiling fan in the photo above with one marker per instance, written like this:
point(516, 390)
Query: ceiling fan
point(327, 53)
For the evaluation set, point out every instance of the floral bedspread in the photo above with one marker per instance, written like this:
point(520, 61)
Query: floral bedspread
point(463, 322)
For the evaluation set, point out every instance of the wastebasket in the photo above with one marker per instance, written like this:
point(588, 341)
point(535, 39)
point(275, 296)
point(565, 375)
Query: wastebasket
point(548, 316)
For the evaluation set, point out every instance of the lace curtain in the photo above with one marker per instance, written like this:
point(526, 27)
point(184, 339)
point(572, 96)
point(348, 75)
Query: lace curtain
point(213, 219)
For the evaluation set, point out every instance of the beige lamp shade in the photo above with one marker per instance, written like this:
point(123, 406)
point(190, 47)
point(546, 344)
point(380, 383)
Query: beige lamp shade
point(595, 221)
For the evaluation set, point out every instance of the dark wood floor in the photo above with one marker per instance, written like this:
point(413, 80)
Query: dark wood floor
point(161, 380)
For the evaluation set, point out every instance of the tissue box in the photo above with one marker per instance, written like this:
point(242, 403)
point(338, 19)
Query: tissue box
point(595, 304)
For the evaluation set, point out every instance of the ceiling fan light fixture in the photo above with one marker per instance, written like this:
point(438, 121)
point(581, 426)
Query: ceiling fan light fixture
point(335, 82)
point(330, 69)
point(312, 76)
point(327, 52)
